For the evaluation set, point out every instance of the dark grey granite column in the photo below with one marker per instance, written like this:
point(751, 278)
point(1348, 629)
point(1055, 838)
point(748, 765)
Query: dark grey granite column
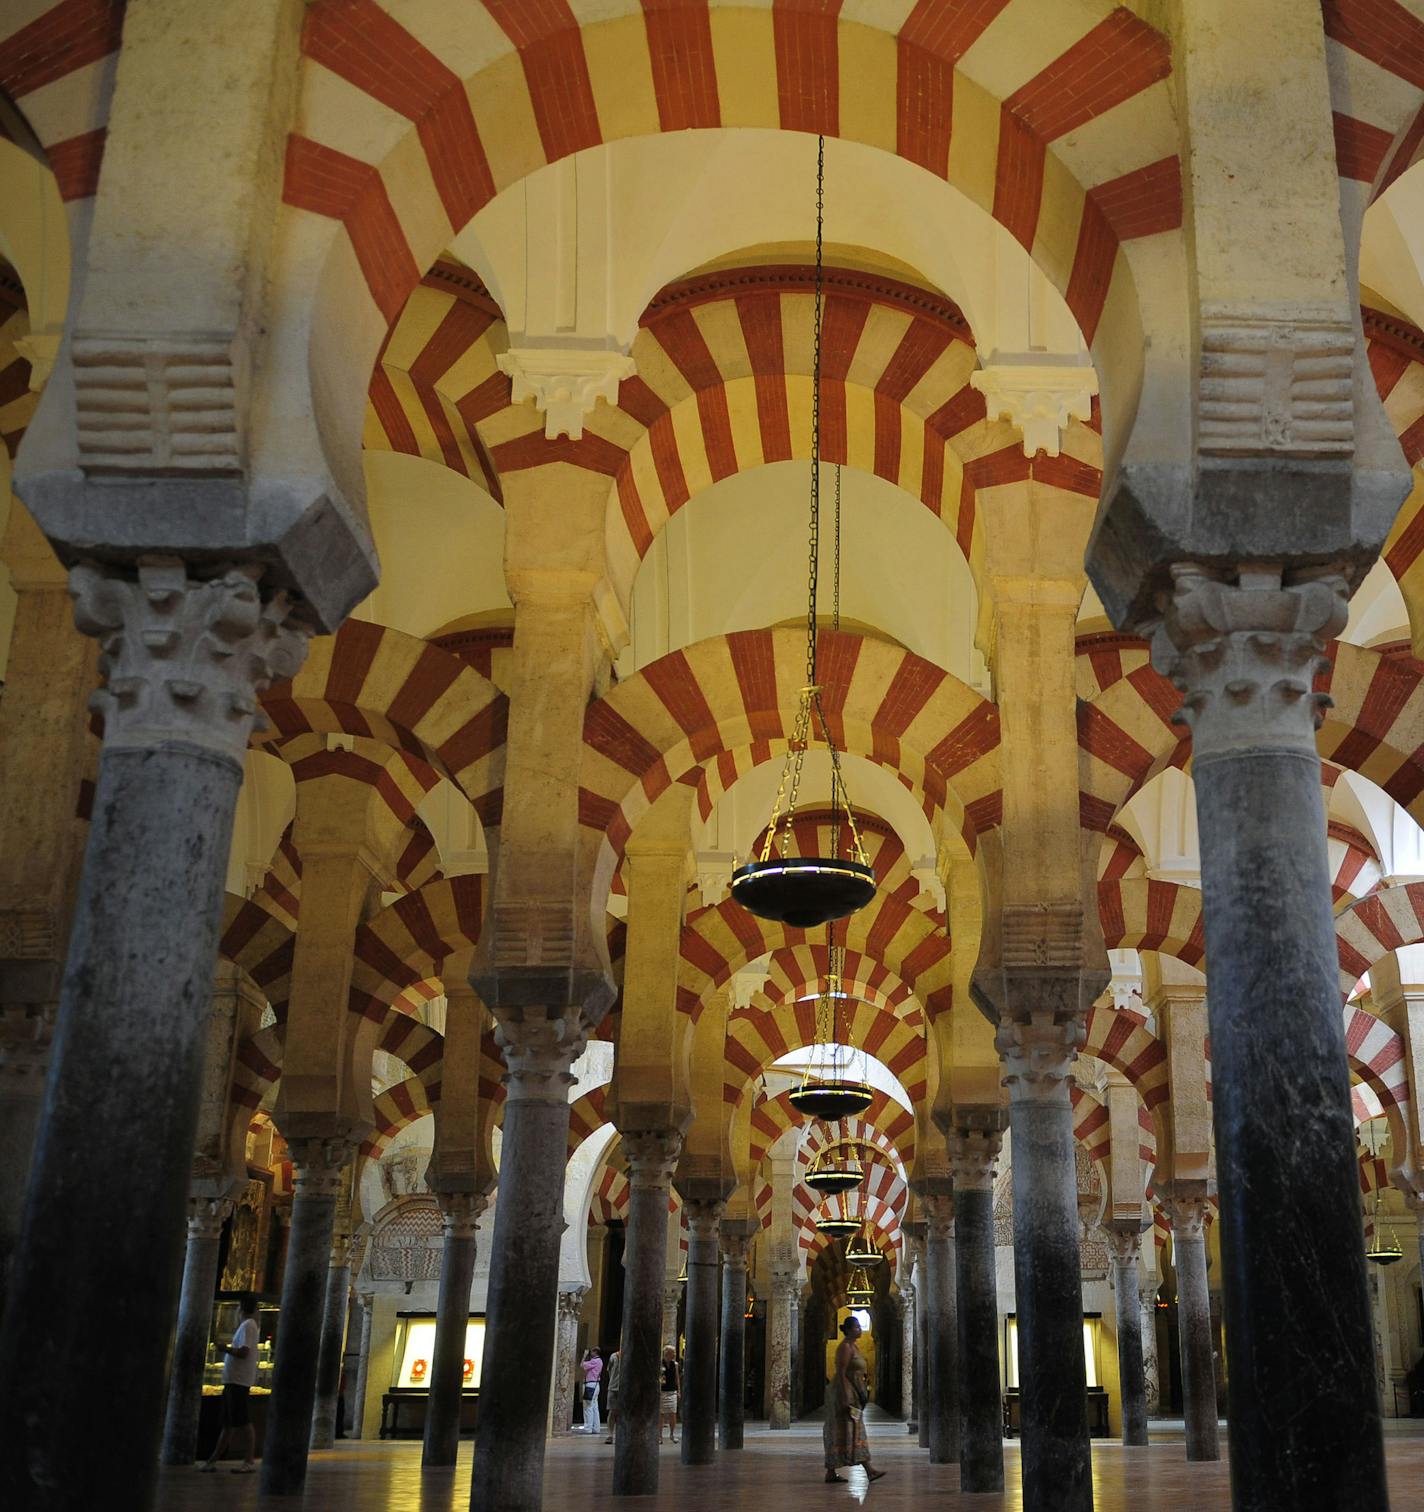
point(1151, 1377)
point(460, 1212)
point(652, 1158)
point(1188, 1215)
point(1038, 1057)
point(522, 1306)
point(1125, 1246)
point(190, 1343)
point(365, 1302)
point(781, 1306)
point(333, 1343)
point(699, 1366)
point(184, 661)
point(922, 1335)
point(941, 1403)
point(321, 1177)
point(1305, 1418)
point(973, 1155)
point(731, 1379)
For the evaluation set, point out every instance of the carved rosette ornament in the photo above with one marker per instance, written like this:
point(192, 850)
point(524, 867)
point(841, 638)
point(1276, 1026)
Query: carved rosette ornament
point(652, 1156)
point(1038, 1054)
point(1245, 656)
point(974, 1158)
point(538, 1054)
point(183, 658)
point(460, 1212)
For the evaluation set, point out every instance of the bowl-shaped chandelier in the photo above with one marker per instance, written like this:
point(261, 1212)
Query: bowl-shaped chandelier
point(834, 1170)
point(828, 1090)
point(860, 1291)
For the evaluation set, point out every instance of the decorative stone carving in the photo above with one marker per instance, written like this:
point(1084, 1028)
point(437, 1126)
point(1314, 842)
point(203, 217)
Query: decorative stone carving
point(735, 1245)
point(939, 1215)
point(533, 932)
point(28, 934)
point(1042, 936)
point(1038, 1055)
point(407, 1245)
point(704, 1216)
point(460, 1212)
point(564, 384)
point(538, 1054)
point(1038, 399)
point(974, 1158)
point(566, 1356)
point(184, 659)
point(206, 1216)
point(1186, 1214)
point(652, 1156)
point(1275, 387)
point(320, 1166)
point(149, 406)
point(1124, 1244)
point(1245, 654)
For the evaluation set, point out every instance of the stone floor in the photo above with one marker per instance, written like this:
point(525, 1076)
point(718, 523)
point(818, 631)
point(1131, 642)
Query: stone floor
point(773, 1469)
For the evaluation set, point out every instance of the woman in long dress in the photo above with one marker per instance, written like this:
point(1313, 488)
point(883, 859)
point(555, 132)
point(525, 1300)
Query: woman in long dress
point(846, 1395)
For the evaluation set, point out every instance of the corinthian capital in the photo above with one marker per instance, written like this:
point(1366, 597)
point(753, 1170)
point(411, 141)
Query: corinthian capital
point(1186, 1212)
point(539, 1054)
point(320, 1166)
point(1244, 654)
point(1038, 1053)
point(1124, 1243)
point(939, 1216)
point(974, 1158)
point(460, 1212)
point(652, 1157)
point(184, 659)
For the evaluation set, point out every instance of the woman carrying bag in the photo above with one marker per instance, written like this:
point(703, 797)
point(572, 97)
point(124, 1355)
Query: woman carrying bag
point(846, 1396)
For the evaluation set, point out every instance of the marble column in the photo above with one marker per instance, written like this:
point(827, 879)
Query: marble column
point(672, 1297)
point(460, 1214)
point(798, 1379)
point(1151, 1378)
point(652, 1157)
point(1188, 1215)
point(321, 1178)
point(524, 1264)
point(941, 1404)
point(922, 1333)
point(699, 1367)
point(731, 1380)
point(973, 1158)
point(1125, 1248)
point(184, 661)
point(365, 1303)
point(566, 1360)
point(333, 1343)
point(778, 1344)
point(1244, 650)
point(195, 1317)
point(905, 1302)
point(1038, 1055)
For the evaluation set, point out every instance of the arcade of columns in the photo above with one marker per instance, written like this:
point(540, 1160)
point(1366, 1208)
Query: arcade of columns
point(390, 682)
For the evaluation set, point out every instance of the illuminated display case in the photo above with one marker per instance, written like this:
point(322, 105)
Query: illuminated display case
point(403, 1405)
point(226, 1314)
point(1097, 1395)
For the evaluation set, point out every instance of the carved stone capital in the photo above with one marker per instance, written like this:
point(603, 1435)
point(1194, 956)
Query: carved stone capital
point(736, 1239)
point(1124, 1243)
point(905, 1302)
point(652, 1157)
point(1038, 1054)
point(1186, 1212)
point(184, 659)
point(319, 1166)
point(571, 1304)
point(785, 1283)
point(704, 1217)
point(1039, 399)
point(539, 1053)
point(974, 1158)
point(1147, 1292)
point(564, 383)
point(1245, 654)
point(460, 1212)
point(939, 1216)
point(25, 1037)
point(206, 1216)
point(672, 1295)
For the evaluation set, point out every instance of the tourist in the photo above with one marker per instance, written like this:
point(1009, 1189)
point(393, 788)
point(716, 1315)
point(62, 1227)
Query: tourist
point(615, 1371)
point(671, 1388)
point(846, 1396)
point(239, 1377)
point(592, 1368)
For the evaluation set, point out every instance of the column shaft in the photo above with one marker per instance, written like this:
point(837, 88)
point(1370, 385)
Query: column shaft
point(190, 1343)
point(699, 1370)
point(922, 1355)
point(907, 1352)
point(778, 1347)
point(302, 1322)
point(333, 1346)
point(731, 1383)
point(1048, 1287)
point(1132, 1386)
point(366, 1303)
point(1194, 1333)
point(521, 1316)
point(941, 1404)
point(1151, 1383)
point(452, 1313)
point(651, 1159)
point(972, 1156)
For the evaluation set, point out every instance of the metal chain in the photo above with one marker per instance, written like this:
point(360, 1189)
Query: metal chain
point(814, 571)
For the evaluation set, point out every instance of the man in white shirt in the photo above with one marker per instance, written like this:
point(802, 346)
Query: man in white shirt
point(239, 1377)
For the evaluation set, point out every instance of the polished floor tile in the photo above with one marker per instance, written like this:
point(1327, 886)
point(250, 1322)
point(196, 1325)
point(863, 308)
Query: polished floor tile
point(771, 1470)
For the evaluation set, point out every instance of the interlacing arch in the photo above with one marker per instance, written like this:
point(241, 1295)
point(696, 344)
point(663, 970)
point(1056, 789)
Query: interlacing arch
point(408, 941)
point(879, 1217)
point(395, 1109)
point(1375, 88)
point(771, 1117)
point(372, 681)
point(259, 942)
point(882, 1184)
point(796, 970)
point(846, 1132)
